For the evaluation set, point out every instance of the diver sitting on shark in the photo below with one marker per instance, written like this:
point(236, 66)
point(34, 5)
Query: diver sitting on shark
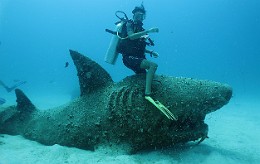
point(130, 40)
point(115, 114)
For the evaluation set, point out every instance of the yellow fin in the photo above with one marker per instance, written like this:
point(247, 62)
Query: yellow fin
point(161, 107)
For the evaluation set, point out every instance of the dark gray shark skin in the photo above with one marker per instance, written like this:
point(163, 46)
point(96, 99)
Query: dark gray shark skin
point(116, 114)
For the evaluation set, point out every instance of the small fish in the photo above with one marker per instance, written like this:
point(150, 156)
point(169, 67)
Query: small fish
point(2, 101)
point(66, 64)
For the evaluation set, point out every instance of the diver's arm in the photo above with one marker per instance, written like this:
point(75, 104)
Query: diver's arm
point(16, 85)
point(152, 53)
point(5, 86)
point(9, 89)
point(133, 36)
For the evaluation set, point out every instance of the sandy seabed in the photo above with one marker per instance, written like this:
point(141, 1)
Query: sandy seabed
point(234, 137)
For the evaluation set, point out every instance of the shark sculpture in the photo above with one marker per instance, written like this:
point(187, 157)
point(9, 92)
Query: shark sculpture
point(117, 114)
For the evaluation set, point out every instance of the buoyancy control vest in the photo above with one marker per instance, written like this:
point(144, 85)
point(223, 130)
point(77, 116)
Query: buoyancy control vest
point(132, 47)
point(120, 43)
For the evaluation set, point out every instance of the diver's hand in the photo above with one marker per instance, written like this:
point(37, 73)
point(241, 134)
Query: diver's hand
point(152, 30)
point(154, 54)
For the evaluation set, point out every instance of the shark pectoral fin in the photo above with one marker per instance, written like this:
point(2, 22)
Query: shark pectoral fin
point(161, 107)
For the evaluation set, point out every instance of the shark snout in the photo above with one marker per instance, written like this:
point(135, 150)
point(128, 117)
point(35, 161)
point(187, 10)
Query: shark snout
point(226, 93)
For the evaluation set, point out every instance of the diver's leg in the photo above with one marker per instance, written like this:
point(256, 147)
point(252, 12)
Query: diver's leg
point(151, 67)
point(5, 86)
point(16, 85)
point(9, 89)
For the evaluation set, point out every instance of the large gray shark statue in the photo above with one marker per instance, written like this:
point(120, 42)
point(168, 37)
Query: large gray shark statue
point(117, 114)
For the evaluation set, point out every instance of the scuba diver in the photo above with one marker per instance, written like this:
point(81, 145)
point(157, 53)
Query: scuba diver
point(133, 48)
point(2, 101)
point(131, 40)
point(9, 89)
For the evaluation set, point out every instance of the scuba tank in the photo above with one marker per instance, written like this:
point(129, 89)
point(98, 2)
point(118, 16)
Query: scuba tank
point(112, 54)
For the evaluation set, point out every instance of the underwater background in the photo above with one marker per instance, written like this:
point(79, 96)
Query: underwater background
point(216, 40)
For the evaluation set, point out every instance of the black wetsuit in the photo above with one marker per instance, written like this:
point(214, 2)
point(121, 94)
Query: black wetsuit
point(133, 51)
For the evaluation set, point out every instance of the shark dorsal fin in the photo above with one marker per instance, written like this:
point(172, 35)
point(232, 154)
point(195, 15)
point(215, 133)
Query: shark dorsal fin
point(24, 104)
point(91, 75)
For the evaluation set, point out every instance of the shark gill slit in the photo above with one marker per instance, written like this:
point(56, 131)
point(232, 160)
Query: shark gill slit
point(123, 97)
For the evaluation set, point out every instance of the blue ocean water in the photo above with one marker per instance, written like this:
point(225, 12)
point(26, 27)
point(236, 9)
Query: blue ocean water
point(216, 40)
